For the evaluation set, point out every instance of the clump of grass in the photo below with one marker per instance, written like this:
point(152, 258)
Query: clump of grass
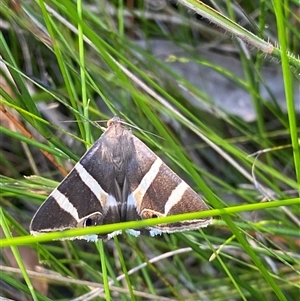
point(63, 62)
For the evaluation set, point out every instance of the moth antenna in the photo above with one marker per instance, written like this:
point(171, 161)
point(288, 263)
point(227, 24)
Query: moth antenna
point(141, 130)
point(95, 123)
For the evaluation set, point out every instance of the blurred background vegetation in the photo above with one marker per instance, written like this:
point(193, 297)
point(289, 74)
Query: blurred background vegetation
point(214, 81)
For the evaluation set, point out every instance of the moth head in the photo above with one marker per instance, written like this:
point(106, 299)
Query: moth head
point(93, 219)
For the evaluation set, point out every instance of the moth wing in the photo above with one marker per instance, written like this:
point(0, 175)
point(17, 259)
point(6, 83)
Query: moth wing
point(80, 200)
point(157, 191)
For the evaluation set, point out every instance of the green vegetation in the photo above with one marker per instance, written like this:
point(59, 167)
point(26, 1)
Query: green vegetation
point(68, 67)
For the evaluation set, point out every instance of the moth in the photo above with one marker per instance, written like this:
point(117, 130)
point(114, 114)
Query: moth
point(118, 179)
